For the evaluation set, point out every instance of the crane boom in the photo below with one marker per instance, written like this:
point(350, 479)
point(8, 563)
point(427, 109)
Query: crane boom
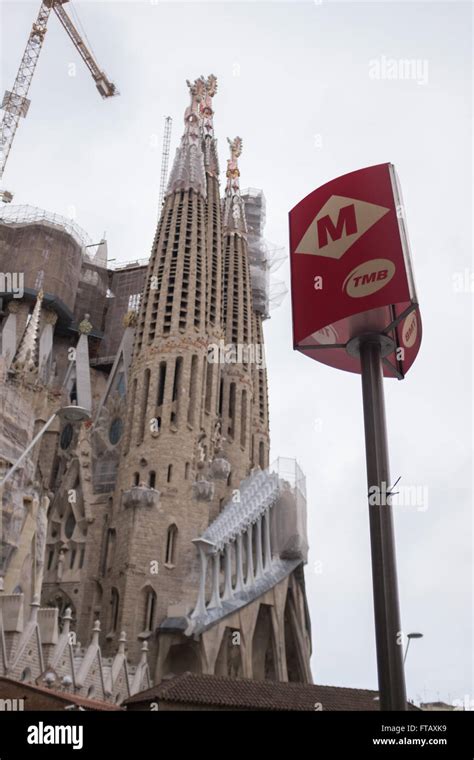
point(15, 103)
point(105, 87)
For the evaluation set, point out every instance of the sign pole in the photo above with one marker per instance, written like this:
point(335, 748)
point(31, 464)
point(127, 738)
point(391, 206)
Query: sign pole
point(384, 572)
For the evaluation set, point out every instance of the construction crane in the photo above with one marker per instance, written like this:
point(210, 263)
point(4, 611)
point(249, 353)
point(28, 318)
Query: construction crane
point(15, 102)
point(165, 156)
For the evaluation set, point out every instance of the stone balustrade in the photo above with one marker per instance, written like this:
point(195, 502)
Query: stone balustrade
point(240, 533)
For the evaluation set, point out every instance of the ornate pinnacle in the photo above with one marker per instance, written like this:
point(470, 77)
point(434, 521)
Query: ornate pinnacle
point(234, 210)
point(85, 327)
point(211, 160)
point(233, 172)
point(188, 167)
point(26, 355)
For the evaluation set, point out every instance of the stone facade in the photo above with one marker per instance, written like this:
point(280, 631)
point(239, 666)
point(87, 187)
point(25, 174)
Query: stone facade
point(151, 515)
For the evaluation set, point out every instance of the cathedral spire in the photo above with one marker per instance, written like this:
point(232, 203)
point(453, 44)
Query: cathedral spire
point(209, 143)
point(233, 206)
point(188, 167)
point(27, 354)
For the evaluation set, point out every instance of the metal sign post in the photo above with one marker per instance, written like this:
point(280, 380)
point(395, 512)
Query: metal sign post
point(355, 308)
point(389, 641)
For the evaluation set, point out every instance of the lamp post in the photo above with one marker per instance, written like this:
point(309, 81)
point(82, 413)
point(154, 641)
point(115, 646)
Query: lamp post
point(73, 414)
point(411, 636)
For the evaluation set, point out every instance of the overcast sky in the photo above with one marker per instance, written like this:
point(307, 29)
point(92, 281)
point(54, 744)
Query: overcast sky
point(294, 82)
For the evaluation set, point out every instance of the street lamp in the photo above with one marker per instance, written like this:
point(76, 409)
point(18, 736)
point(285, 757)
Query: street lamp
point(73, 414)
point(411, 636)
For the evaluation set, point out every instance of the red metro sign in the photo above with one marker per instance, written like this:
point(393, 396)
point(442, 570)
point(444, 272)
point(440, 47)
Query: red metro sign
point(351, 271)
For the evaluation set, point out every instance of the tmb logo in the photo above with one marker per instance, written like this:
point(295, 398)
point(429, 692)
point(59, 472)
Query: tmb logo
point(339, 223)
point(368, 278)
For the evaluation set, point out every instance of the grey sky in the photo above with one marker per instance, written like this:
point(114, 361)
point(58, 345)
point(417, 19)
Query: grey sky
point(294, 84)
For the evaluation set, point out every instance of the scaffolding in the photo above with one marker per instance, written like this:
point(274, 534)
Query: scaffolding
point(264, 257)
point(23, 215)
point(290, 523)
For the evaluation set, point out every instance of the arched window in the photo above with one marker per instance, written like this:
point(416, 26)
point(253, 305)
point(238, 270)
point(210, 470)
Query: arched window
point(243, 420)
point(136, 479)
point(152, 479)
point(70, 525)
point(171, 540)
point(50, 559)
point(114, 609)
point(149, 609)
point(261, 455)
point(170, 473)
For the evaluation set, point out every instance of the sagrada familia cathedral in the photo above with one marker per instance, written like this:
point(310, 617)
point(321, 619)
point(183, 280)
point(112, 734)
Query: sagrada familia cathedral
point(148, 534)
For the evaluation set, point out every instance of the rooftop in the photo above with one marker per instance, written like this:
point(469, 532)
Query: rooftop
point(245, 694)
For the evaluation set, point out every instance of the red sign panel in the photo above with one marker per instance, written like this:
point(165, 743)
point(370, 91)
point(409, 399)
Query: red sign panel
point(351, 270)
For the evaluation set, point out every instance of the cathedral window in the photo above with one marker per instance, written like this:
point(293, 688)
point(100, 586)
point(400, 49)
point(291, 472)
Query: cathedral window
point(243, 420)
point(130, 420)
point(221, 396)
point(115, 431)
point(144, 404)
point(261, 455)
point(193, 390)
point(70, 525)
point(161, 383)
point(231, 428)
point(171, 540)
point(149, 610)
point(114, 609)
point(208, 387)
point(120, 384)
point(176, 390)
point(66, 436)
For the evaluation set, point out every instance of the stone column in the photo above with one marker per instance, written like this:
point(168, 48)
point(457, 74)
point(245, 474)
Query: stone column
point(268, 548)
point(259, 569)
point(200, 608)
point(228, 592)
point(216, 568)
point(239, 582)
point(249, 580)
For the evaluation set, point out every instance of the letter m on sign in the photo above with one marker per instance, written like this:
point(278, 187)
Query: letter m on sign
point(345, 225)
point(337, 225)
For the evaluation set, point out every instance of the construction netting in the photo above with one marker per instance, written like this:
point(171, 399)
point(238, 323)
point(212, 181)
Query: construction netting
point(289, 515)
point(264, 257)
point(45, 250)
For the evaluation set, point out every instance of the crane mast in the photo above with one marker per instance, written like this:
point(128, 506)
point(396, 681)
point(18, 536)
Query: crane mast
point(15, 102)
point(165, 155)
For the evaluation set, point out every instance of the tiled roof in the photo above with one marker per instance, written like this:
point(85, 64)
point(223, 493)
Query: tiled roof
point(220, 691)
point(60, 696)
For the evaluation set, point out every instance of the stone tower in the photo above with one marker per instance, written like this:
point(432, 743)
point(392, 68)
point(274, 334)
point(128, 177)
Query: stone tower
point(180, 536)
